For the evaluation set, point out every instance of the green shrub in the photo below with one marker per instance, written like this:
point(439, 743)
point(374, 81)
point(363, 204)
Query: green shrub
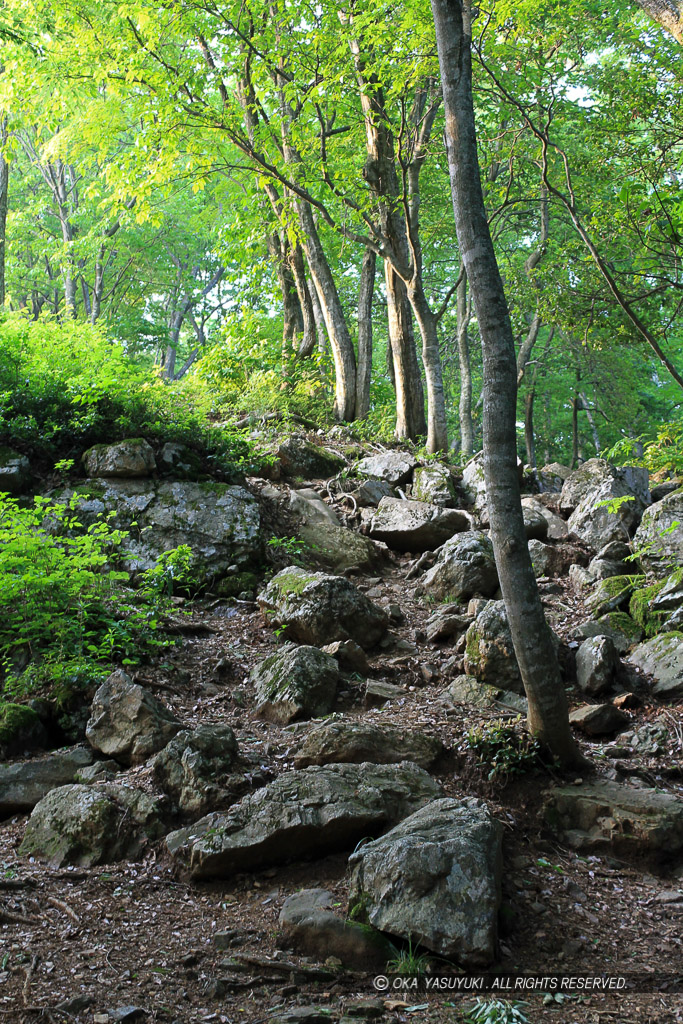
point(65, 606)
point(504, 749)
point(663, 452)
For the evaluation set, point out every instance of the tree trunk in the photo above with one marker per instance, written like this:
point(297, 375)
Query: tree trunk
point(405, 376)
point(437, 429)
point(548, 716)
point(318, 319)
point(308, 339)
point(591, 422)
point(364, 373)
point(333, 315)
point(464, 315)
point(667, 13)
point(529, 427)
point(4, 194)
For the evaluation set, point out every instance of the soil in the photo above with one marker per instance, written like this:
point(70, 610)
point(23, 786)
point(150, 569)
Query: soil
point(78, 945)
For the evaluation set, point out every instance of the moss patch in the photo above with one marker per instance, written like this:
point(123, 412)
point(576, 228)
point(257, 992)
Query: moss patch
point(20, 728)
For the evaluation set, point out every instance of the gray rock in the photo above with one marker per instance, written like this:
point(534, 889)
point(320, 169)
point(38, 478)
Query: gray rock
point(220, 523)
point(535, 522)
point(21, 730)
point(15, 471)
point(308, 504)
point(195, 769)
point(379, 691)
point(369, 493)
point(126, 722)
point(552, 476)
point(302, 814)
point(434, 484)
point(309, 925)
point(469, 691)
point(596, 481)
point(179, 460)
point(609, 595)
point(349, 656)
point(651, 739)
point(339, 548)
point(557, 527)
point(554, 559)
point(131, 458)
point(445, 624)
point(670, 596)
point(392, 467)
point(465, 567)
point(297, 682)
point(662, 659)
point(608, 816)
point(415, 525)
point(24, 783)
point(299, 457)
point(87, 825)
point(342, 742)
point(599, 719)
point(621, 629)
point(489, 653)
point(596, 665)
point(436, 879)
point(319, 609)
point(473, 483)
point(100, 771)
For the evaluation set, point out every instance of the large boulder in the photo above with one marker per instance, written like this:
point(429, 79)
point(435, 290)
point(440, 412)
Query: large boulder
point(659, 538)
point(131, 458)
point(596, 665)
point(302, 814)
point(392, 467)
point(15, 471)
point(465, 566)
point(339, 549)
point(662, 659)
point(489, 652)
point(220, 523)
point(87, 825)
point(196, 769)
point(297, 682)
point(308, 504)
point(318, 609)
point(24, 783)
point(415, 525)
point(309, 925)
point(435, 880)
point(342, 742)
point(554, 559)
point(552, 476)
point(474, 484)
point(597, 481)
point(434, 484)
point(300, 457)
point(126, 722)
point(599, 719)
point(610, 817)
point(557, 527)
point(469, 691)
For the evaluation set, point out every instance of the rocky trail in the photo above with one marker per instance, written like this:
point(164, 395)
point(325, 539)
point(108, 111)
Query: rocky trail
point(251, 826)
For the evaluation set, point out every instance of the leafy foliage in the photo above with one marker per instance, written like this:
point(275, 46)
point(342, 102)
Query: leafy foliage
point(496, 1011)
point(504, 749)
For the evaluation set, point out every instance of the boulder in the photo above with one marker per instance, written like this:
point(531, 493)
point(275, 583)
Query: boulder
point(415, 525)
point(318, 609)
point(131, 458)
point(489, 653)
point(599, 719)
point(219, 522)
point(15, 471)
point(349, 656)
point(435, 880)
point(596, 665)
point(552, 476)
point(445, 624)
point(469, 691)
point(309, 925)
point(465, 566)
point(87, 825)
point(557, 527)
point(609, 595)
point(473, 483)
point(308, 504)
point(297, 682)
point(659, 538)
point(434, 484)
point(339, 549)
point(24, 783)
point(194, 769)
point(597, 481)
point(619, 626)
point(554, 559)
point(535, 522)
point(126, 722)
point(21, 730)
point(342, 742)
point(651, 739)
point(609, 817)
point(393, 467)
point(302, 814)
point(300, 457)
point(369, 493)
point(179, 461)
point(662, 659)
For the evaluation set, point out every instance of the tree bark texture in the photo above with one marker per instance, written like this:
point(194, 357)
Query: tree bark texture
point(463, 317)
point(4, 191)
point(667, 13)
point(548, 717)
point(364, 370)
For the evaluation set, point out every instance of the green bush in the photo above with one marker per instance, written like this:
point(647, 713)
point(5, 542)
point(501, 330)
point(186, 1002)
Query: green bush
point(64, 387)
point(504, 749)
point(661, 453)
point(66, 609)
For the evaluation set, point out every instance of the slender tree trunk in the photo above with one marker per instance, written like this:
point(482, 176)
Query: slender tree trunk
point(591, 422)
point(318, 319)
point(529, 427)
point(464, 315)
point(667, 13)
point(4, 196)
point(364, 372)
point(437, 429)
point(406, 378)
point(548, 716)
point(308, 338)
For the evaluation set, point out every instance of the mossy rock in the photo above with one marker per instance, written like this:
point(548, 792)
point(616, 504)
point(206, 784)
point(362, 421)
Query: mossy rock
point(233, 586)
point(641, 611)
point(20, 729)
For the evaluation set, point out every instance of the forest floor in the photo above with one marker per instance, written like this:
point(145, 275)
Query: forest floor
point(84, 945)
